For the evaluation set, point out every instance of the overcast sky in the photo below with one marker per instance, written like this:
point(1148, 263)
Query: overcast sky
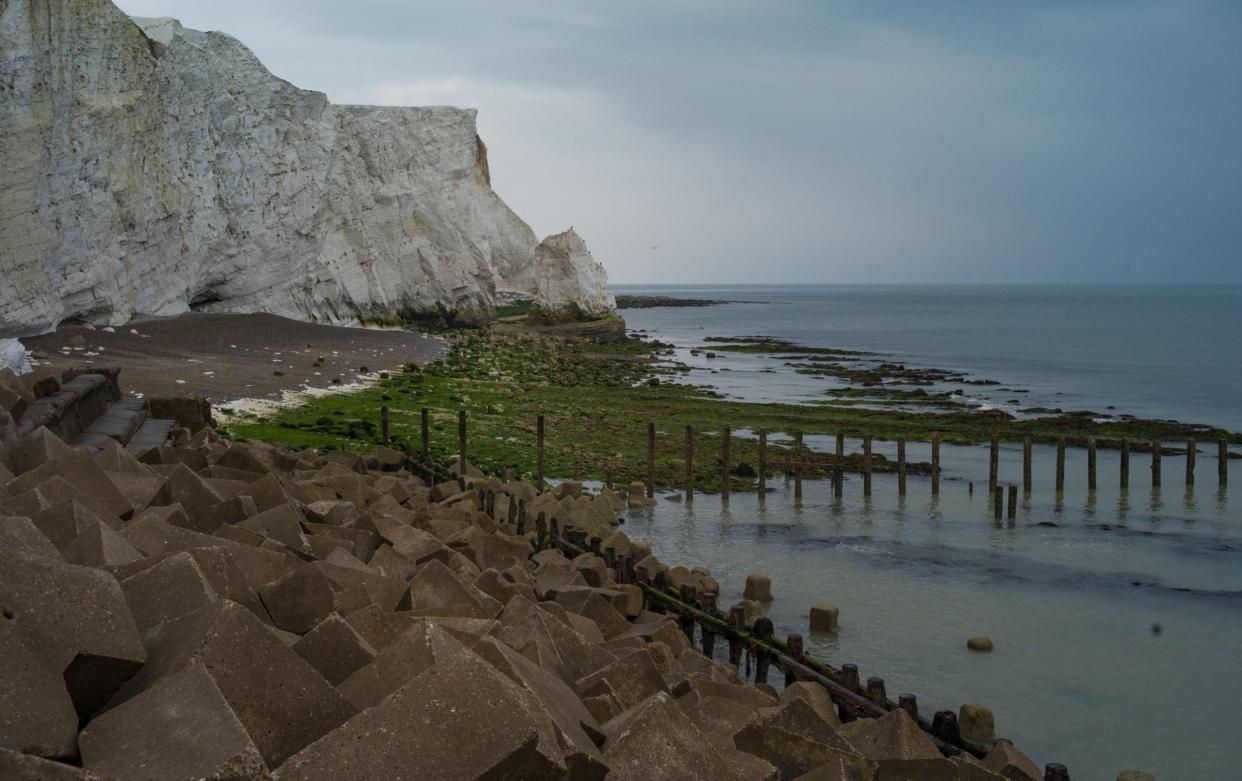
point(854, 142)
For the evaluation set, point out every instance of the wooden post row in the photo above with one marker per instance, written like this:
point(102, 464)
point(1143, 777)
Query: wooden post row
point(1155, 464)
point(384, 425)
point(993, 463)
point(1060, 466)
point(763, 460)
point(797, 454)
point(726, 457)
point(1026, 465)
point(1192, 449)
point(1091, 473)
point(838, 473)
point(1125, 464)
point(935, 462)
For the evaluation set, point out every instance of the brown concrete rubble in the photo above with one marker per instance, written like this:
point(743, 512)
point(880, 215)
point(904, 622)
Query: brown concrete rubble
point(236, 611)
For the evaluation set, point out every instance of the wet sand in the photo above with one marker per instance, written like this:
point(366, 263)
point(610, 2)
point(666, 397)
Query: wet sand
point(231, 356)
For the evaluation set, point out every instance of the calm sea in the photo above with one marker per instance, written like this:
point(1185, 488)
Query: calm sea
point(1117, 615)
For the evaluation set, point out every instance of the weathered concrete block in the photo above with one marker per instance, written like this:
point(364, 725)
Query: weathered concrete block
point(976, 723)
point(824, 618)
point(25, 767)
point(892, 736)
point(36, 448)
point(36, 713)
point(281, 700)
point(363, 749)
point(1007, 761)
point(794, 738)
point(21, 534)
point(79, 470)
point(100, 546)
point(437, 591)
point(816, 697)
point(74, 619)
point(282, 523)
point(299, 600)
point(633, 677)
point(334, 649)
point(181, 728)
point(981, 644)
point(170, 589)
point(758, 588)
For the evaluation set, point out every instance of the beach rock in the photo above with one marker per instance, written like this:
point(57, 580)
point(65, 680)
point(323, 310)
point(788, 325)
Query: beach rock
point(283, 703)
point(75, 620)
point(976, 723)
point(980, 644)
point(418, 732)
point(824, 618)
point(181, 728)
point(437, 237)
point(36, 713)
point(758, 588)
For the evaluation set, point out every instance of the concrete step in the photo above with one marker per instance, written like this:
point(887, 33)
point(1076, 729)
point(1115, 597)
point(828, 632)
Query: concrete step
point(152, 434)
point(118, 424)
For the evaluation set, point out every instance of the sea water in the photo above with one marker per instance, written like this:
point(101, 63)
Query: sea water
point(1116, 615)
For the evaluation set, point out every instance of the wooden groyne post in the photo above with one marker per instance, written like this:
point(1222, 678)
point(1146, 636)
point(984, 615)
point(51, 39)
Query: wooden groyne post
point(689, 463)
point(539, 453)
point(763, 461)
point(384, 425)
point(838, 473)
point(797, 467)
point(1026, 465)
point(998, 502)
point(867, 465)
point(993, 463)
point(426, 432)
point(901, 466)
point(1192, 449)
point(1013, 502)
point(1060, 466)
point(726, 457)
point(1125, 464)
point(1222, 463)
point(1091, 474)
point(935, 462)
point(1155, 464)
point(461, 443)
point(650, 460)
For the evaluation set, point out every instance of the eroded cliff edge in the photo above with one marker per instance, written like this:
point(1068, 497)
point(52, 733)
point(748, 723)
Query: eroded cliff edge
point(153, 169)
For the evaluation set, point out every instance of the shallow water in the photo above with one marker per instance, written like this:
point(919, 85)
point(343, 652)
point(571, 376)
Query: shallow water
point(1117, 629)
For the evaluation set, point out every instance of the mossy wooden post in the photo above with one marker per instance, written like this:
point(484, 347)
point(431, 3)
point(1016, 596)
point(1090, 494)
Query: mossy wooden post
point(1026, 465)
point(876, 691)
point(994, 463)
point(1222, 463)
point(689, 463)
point(539, 453)
point(725, 457)
point(1060, 466)
point(650, 460)
point(935, 456)
point(426, 426)
point(797, 468)
point(1091, 472)
point(384, 425)
point(867, 465)
point(910, 704)
point(998, 502)
point(838, 473)
point(1013, 502)
point(1192, 449)
point(1125, 464)
point(461, 443)
point(901, 466)
point(1155, 464)
point(793, 649)
point(763, 461)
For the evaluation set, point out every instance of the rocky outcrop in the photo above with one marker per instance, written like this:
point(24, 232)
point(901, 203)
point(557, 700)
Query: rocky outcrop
point(568, 279)
point(152, 169)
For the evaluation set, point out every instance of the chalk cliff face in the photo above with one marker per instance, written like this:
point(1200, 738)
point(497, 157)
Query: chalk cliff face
point(152, 169)
point(569, 279)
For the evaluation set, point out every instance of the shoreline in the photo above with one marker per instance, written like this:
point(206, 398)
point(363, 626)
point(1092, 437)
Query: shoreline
point(597, 400)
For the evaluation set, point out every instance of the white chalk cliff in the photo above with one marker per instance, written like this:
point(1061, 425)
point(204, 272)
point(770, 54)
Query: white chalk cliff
point(149, 169)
